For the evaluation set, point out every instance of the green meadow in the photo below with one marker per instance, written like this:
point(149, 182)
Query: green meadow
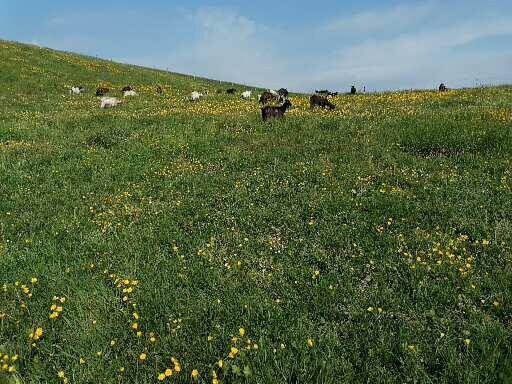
point(189, 242)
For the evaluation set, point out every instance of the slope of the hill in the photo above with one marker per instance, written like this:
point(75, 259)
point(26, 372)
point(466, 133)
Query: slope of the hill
point(367, 244)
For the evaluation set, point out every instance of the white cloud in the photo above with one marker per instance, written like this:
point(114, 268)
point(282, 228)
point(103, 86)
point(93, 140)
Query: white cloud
point(398, 17)
point(420, 59)
point(231, 47)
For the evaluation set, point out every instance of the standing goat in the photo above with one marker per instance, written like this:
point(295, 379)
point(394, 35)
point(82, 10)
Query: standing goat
point(270, 112)
point(246, 95)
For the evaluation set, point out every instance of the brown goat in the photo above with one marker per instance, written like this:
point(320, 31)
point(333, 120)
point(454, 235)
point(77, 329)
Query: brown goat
point(270, 112)
point(266, 97)
point(101, 91)
point(320, 101)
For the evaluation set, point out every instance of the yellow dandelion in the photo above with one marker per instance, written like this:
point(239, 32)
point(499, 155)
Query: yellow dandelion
point(241, 331)
point(311, 343)
point(142, 356)
point(234, 351)
point(161, 377)
point(194, 374)
point(168, 372)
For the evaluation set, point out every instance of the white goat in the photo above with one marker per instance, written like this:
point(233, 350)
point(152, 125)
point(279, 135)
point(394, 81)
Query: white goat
point(129, 93)
point(194, 96)
point(246, 95)
point(75, 90)
point(110, 102)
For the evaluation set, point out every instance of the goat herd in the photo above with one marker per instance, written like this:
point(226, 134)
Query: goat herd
point(318, 99)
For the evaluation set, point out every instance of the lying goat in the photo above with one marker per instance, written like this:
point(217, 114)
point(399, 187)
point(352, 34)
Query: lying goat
point(102, 91)
point(246, 95)
point(76, 90)
point(270, 112)
point(320, 101)
point(129, 93)
point(110, 102)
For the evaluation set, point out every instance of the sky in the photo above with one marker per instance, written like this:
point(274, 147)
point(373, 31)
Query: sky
point(299, 45)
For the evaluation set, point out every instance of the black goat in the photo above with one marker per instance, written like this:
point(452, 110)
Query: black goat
point(320, 101)
point(101, 91)
point(127, 88)
point(231, 91)
point(270, 112)
point(443, 88)
point(283, 92)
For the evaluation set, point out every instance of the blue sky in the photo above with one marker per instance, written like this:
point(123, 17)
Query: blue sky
point(301, 45)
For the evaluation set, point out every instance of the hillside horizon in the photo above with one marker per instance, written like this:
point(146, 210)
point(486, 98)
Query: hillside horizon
point(227, 82)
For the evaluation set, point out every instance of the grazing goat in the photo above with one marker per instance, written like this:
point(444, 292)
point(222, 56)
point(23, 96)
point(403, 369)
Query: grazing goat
point(101, 91)
point(129, 93)
point(320, 101)
point(159, 90)
point(246, 95)
point(283, 92)
point(326, 92)
point(353, 90)
point(110, 102)
point(195, 96)
point(231, 91)
point(270, 112)
point(443, 88)
point(127, 88)
point(76, 90)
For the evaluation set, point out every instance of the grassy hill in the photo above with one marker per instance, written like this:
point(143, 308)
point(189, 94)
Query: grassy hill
point(368, 244)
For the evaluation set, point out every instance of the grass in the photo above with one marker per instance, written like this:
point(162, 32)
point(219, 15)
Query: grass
point(368, 244)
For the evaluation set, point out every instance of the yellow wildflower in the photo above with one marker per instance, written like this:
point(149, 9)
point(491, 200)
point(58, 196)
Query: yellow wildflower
point(234, 351)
